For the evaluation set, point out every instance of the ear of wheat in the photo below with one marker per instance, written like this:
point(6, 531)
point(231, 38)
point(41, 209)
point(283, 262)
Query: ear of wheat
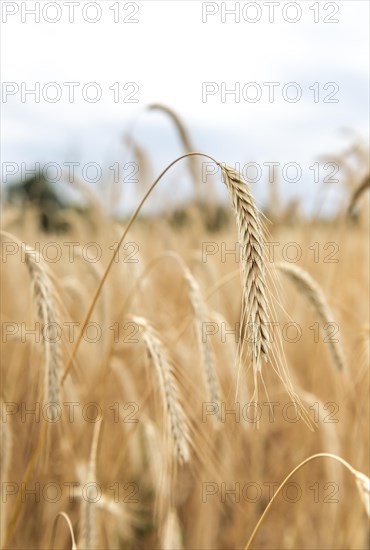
point(185, 139)
point(44, 293)
point(317, 298)
point(255, 306)
point(173, 410)
point(198, 307)
point(195, 296)
point(158, 463)
point(142, 160)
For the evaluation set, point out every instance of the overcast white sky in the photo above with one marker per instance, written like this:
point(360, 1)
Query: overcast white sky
point(169, 53)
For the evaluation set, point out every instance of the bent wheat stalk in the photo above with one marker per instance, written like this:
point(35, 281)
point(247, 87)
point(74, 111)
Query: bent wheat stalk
point(70, 528)
point(317, 298)
point(173, 412)
point(142, 160)
point(255, 305)
point(362, 482)
point(184, 136)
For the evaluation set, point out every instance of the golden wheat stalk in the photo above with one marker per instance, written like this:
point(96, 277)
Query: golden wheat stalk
point(168, 388)
point(185, 139)
point(97, 272)
point(44, 293)
point(317, 298)
point(5, 460)
point(274, 202)
point(88, 533)
point(363, 486)
point(142, 160)
point(198, 307)
point(70, 528)
point(158, 463)
point(362, 482)
point(195, 296)
point(255, 306)
point(171, 538)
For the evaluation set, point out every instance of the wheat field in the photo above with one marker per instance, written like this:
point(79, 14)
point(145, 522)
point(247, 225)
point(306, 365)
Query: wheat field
point(161, 376)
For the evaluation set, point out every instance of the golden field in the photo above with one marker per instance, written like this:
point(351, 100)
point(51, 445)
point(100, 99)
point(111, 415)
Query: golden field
point(139, 454)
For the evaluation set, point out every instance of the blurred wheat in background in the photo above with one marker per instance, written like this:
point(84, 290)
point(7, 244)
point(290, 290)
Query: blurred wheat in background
point(156, 454)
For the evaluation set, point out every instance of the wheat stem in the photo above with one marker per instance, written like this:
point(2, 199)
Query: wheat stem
point(70, 528)
point(358, 476)
point(250, 229)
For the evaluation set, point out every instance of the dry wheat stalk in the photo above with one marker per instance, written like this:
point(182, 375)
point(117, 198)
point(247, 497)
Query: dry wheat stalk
point(317, 298)
point(363, 485)
point(158, 463)
point(48, 313)
point(6, 445)
point(5, 458)
point(70, 528)
point(88, 536)
point(174, 413)
point(198, 307)
point(362, 482)
point(185, 139)
point(195, 296)
point(171, 538)
point(255, 306)
point(142, 160)
point(97, 272)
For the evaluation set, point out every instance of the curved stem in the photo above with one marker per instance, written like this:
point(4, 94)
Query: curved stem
point(128, 226)
point(313, 457)
point(68, 521)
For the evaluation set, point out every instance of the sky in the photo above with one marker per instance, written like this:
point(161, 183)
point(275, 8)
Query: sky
point(186, 55)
